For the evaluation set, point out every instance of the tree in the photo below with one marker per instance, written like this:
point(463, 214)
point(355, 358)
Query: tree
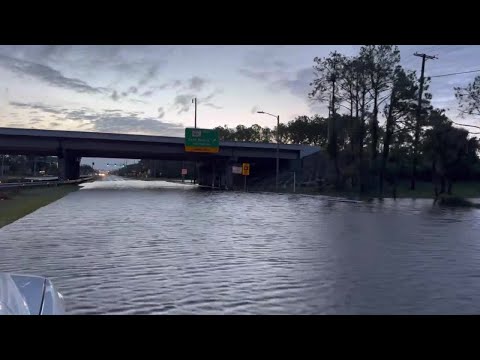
point(402, 103)
point(225, 133)
point(380, 63)
point(469, 98)
point(326, 85)
point(447, 148)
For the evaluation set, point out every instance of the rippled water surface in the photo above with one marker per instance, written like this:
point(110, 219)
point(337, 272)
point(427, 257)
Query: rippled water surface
point(133, 247)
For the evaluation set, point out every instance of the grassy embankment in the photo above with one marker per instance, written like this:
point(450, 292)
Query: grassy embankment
point(424, 190)
point(16, 203)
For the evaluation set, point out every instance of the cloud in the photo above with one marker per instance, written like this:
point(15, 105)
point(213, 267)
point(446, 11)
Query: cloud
point(209, 97)
point(280, 64)
point(196, 83)
point(161, 112)
point(255, 109)
point(183, 102)
point(264, 57)
point(111, 120)
point(213, 106)
point(115, 95)
point(256, 75)
point(168, 85)
point(132, 90)
point(47, 74)
point(131, 124)
point(298, 85)
point(149, 75)
point(36, 106)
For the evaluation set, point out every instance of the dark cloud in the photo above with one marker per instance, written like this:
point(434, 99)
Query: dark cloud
point(37, 53)
point(131, 90)
point(47, 74)
point(35, 120)
point(161, 112)
point(183, 102)
point(255, 109)
point(148, 93)
point(196, 83)
point(54, 124)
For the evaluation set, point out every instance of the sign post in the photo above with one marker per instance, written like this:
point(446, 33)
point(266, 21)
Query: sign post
point(245, 173)
point(202, 140)
point(184, 172)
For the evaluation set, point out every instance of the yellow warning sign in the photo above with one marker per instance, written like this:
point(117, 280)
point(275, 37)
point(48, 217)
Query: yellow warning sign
point(245, 169)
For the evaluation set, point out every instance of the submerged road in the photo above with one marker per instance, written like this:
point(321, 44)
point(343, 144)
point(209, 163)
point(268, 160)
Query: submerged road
point(135, 247)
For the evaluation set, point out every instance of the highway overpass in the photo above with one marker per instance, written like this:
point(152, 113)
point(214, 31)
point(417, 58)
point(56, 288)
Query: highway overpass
point(71, 146)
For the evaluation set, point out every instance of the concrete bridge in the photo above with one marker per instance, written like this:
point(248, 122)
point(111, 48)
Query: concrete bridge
point(71, 146)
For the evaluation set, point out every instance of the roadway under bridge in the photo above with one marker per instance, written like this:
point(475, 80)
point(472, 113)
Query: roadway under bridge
point(213, 169)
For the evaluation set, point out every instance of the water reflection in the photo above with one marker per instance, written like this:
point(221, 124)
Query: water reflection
point(132, 247)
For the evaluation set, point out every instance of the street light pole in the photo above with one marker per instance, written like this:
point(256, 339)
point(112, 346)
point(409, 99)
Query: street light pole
point(278, 146)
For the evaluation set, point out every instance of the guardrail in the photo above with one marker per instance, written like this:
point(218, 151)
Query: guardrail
point(43, 183)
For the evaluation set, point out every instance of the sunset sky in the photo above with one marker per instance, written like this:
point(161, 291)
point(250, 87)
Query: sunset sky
point(149, 89)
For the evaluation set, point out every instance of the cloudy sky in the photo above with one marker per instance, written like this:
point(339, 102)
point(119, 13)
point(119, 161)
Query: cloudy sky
point(149, 89)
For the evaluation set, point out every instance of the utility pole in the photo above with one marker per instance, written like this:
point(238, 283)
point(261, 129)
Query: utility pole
point(419, 114)
point(194, 100)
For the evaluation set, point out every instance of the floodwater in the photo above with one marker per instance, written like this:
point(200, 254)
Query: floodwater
point(133, 247)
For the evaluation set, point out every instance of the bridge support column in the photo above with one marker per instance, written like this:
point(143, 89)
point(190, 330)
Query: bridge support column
point(216, 173)
point(68, 166)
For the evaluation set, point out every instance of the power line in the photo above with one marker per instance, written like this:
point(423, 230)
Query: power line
point(457, 73)
point(474, 126)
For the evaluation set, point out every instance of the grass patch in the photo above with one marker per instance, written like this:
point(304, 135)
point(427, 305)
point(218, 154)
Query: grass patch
point(423, 190)
point(18, 203)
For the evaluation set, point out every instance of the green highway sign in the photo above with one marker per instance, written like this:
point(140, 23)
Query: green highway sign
point(201, 140)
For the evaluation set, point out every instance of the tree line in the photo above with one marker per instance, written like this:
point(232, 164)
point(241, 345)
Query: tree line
point(381, 126)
